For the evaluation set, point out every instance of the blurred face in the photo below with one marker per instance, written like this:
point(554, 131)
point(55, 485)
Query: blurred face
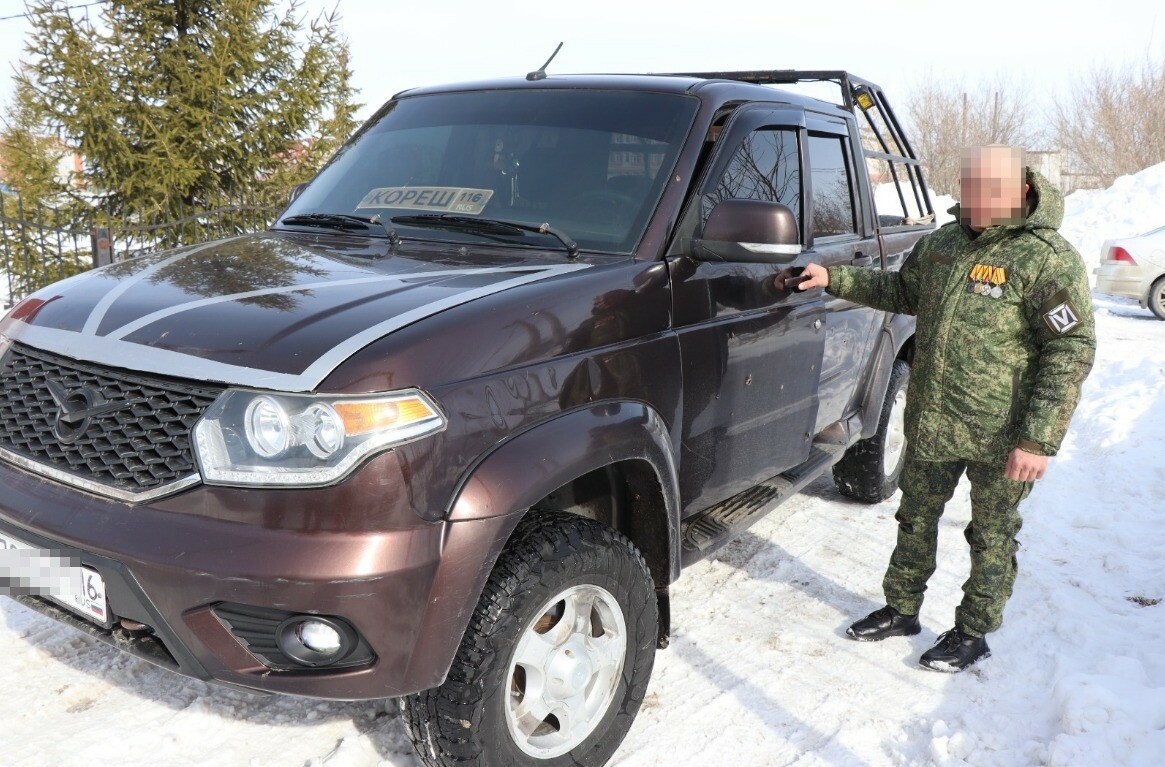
point(993, 188)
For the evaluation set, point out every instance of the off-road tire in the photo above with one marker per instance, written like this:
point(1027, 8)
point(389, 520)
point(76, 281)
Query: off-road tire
point(463, 722)
point(1156, 300)
point(861, 474)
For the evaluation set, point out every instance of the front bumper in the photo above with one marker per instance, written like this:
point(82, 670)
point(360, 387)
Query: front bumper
point(353, 551)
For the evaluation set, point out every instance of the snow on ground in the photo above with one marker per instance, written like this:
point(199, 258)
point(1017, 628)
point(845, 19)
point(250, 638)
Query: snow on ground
point(759, 672)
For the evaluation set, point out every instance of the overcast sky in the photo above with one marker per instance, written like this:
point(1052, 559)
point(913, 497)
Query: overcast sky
point(896, 43)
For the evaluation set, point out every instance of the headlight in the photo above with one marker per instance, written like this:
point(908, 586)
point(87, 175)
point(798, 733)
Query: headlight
point(268, 427)
point(255, 438)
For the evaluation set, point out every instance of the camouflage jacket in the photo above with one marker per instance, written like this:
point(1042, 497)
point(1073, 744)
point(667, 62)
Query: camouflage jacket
point(1005, 333)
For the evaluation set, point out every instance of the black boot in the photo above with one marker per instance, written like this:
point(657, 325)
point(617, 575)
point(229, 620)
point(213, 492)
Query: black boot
point(883, 623)
point(954, 651)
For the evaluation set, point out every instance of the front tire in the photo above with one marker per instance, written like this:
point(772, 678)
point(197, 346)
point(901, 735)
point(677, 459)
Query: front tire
point(869, 470)
point(555, 662)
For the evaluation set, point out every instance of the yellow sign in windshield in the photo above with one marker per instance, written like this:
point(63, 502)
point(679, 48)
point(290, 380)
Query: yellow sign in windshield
point(445, 199)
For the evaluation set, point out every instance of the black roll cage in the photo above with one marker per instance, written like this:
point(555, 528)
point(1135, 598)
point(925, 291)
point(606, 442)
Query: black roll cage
point(859, 96)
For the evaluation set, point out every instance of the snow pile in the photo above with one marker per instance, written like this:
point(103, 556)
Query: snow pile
point(759, 672)
point(943, 203)
point(1133, 205)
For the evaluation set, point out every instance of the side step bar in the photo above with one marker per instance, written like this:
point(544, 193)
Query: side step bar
point(706, 532)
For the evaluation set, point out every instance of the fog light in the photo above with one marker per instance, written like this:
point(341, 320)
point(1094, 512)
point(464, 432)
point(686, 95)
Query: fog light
point(315, 640)
point(320, 637)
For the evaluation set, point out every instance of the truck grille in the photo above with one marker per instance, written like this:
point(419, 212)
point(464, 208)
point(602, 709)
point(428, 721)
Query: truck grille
point(129, 451)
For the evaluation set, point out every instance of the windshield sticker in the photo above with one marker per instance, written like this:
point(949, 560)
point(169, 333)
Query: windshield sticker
point(447, 199)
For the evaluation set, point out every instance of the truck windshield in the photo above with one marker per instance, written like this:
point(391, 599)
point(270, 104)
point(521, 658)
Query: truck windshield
point(590, 163)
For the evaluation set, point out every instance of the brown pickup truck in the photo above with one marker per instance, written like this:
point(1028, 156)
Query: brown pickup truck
point(448, 431)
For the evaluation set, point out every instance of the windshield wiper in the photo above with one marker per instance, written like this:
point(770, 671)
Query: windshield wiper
point(344, 221)
point(487, 226)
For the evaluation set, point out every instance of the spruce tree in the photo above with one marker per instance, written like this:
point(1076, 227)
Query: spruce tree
point(176, 103)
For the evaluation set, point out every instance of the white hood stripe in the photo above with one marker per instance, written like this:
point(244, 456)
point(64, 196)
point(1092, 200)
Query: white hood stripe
point(112, 350)
point(153, 317)
point(330, 361)
point(99, 311)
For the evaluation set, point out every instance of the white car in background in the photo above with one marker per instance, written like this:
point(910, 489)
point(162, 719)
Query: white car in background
point(1134, 267)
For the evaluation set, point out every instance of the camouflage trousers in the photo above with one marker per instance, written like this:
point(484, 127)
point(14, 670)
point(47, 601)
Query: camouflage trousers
point(995, 522)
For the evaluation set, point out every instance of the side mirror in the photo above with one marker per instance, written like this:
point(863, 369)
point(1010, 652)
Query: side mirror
point(749, 230)
point(296, 191)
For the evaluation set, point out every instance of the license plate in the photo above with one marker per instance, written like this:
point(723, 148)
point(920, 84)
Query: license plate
point(29, 570)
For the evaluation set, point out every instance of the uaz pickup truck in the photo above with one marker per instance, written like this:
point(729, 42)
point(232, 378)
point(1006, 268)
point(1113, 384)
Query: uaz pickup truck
point(451, 427)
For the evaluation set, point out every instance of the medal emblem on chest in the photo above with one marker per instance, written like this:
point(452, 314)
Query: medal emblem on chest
point(987, 280)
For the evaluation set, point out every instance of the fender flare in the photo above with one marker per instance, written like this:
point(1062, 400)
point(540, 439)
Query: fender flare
point(895, 334)
point(525, 468)
point(499, 488)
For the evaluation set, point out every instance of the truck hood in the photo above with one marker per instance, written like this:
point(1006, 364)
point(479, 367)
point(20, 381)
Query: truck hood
point(266, 310)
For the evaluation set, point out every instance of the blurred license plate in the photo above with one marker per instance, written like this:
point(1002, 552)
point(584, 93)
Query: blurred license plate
point(29, 570)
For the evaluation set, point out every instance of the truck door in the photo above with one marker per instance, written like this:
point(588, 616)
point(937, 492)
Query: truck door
point(751, 349)
point(836, 237)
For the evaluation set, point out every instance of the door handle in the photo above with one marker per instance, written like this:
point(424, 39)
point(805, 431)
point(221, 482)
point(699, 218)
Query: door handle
point(860, 259)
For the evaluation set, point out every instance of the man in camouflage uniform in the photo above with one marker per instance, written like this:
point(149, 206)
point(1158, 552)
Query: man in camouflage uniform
point(1005, 337)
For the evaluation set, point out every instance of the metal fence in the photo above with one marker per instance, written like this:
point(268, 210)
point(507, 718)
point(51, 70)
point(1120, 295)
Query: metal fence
point(44, 241)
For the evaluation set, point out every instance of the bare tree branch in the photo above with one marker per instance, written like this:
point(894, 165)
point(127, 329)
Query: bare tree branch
point(1113, 124)
point(946, 117)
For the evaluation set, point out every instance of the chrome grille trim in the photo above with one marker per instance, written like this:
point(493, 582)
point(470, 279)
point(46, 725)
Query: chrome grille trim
point(96, 487)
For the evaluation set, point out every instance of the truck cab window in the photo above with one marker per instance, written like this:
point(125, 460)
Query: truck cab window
point(765, 167)
point(833, 207)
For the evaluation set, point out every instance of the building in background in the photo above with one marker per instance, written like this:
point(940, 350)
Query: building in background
point(70, 166)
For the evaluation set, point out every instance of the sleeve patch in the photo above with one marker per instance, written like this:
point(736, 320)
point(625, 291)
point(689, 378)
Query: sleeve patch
point(1062, 318)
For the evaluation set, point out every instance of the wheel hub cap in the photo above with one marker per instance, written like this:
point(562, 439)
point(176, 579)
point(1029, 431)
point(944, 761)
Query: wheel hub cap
point(569, 669)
